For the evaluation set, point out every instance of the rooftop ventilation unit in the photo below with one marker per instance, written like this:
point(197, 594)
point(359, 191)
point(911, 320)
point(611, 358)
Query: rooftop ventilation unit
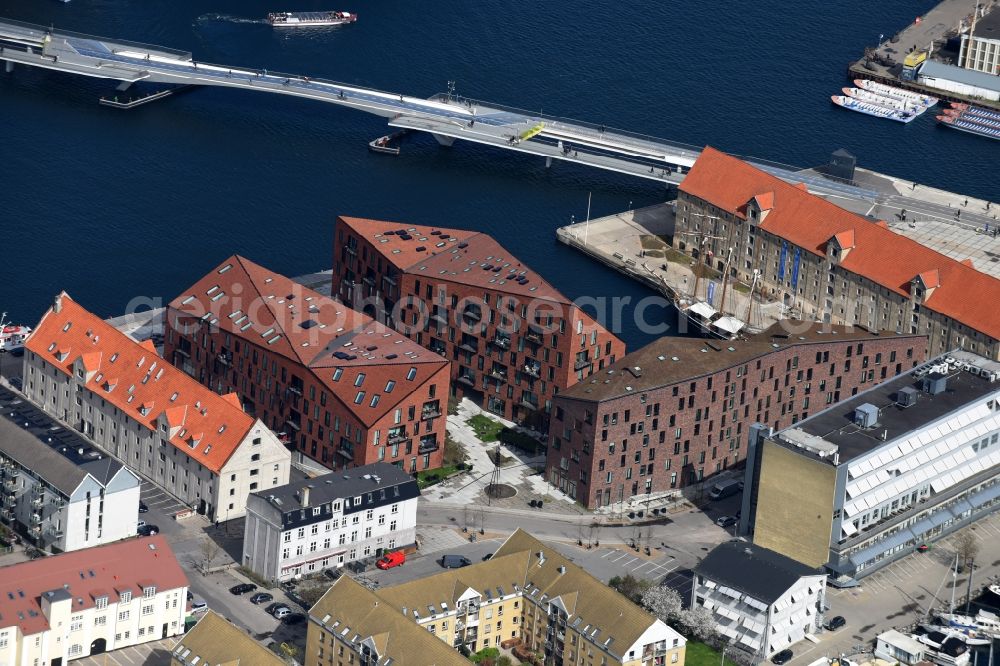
point(935, 383)
point(866, 415)
point(906, 396)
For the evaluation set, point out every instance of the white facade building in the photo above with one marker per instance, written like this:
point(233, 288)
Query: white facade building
point(984, 53)
point(197, 445)
point(329, 520)
point(64, 502)
point(762, 601)
point(69, 606)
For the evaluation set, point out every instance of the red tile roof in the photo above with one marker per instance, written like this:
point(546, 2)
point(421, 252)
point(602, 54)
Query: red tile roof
point(881, 255)
point(463, 257)
point(315, 332)
point(131, 375)
point(85, 575)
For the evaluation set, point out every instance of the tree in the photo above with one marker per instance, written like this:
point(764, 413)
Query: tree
point(699, 621)
point(663, 602)
point(630, 586)
point(209, 551)
point(967, 547)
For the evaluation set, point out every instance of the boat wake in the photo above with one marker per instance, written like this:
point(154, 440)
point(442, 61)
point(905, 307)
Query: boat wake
point(226, 18)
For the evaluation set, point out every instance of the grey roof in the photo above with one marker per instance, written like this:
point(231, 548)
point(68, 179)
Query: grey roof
point(836, 424)
point(970, 77)
point(33, 455)
point(103, 469)
point(988, 27)
point(763, 574)
point(337, 485)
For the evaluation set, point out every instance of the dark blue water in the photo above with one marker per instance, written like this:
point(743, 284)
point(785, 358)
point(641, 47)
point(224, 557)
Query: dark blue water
point(110, 204)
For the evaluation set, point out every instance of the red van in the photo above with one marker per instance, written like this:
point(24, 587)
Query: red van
point(390, 560)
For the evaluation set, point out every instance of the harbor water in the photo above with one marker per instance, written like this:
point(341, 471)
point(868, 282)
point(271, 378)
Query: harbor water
point(109, 204)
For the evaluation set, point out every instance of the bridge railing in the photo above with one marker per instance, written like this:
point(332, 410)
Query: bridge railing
point(43, 30)
point(595, 127)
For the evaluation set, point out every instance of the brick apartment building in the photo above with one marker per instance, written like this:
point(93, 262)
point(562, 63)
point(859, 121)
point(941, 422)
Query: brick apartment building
point(678, 410)
point(336, 385)
point(515, 342)
point(829, 263)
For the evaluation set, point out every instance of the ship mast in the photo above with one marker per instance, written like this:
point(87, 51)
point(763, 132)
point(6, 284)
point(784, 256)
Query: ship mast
point(725, 282)
point(753, 285)
point(972, 35)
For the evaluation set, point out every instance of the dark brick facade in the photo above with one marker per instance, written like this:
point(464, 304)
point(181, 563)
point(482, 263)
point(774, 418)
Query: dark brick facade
point(513, 349)
point(663, 425)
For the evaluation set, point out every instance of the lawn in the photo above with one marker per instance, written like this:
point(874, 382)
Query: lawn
point(699, 654)
point(429, 477)
point(486, 429)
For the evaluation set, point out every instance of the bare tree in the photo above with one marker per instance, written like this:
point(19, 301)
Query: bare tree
point(663, 602)
point(967, 547)
point(209, 551)
point(465, 517)
point(482, 521)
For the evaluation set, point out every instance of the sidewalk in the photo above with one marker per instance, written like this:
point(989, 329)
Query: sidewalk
point(522, 474)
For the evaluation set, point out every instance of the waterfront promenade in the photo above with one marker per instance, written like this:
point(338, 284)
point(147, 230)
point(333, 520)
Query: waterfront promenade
point(632, 242)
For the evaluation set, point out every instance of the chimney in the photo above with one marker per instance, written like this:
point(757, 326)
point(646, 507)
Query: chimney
point(57, 306)
point(304, 494)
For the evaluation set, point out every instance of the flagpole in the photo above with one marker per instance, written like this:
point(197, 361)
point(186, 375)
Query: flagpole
point(586, 232)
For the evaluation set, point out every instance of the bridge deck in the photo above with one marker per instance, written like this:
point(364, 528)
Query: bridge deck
point(507, 128)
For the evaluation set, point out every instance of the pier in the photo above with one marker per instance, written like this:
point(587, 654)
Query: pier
point(884, 62)
point(635, 243)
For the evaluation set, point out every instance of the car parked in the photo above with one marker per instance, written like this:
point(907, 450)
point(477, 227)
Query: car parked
point(782, 657)
point(199, 606)
point(725, 521)
point(389, 560)
point(294, 618)
point(835, 623)
point(454, 561)
point(487, 556)
point(148, 530)
point(261, 597)
point(281, 612)
point(142, 507)
point(242, 588)
point(275, 606)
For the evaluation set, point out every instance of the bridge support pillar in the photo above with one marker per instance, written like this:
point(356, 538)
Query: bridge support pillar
point(8, 66)
point(548, 161)
point(443, 140)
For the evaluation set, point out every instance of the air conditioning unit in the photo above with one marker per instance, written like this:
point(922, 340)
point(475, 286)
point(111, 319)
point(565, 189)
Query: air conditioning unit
point(866, 415)
point(906, 396)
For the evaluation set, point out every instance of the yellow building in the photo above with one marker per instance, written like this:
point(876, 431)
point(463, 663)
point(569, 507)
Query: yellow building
point(526, 592)
point(216, 642)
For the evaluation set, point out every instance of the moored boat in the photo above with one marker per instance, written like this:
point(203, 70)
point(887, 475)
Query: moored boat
point(872, 109)
point(894, 92)
point(863, 95)
point(12, 336)
point(306, 19)
point(963, 124)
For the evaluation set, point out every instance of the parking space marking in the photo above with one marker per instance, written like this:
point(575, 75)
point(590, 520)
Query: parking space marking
point(609, 553)
point(121, 653)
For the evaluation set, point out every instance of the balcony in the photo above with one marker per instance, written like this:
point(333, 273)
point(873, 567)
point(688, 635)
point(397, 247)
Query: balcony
point(54, 533)
point(6, 514)
point(37, 502)
point(428, 446)
point(368, 280)
point(351, 250)
point(346, 453)
point(10, 472)
point(529, 404)
point(534, 334)
point(499, 374)
point(36, 518)
point(295, 390)
point(582, 363)
point(397, 436)
point(532, 370)
point(472, 314)
point(225, 357)
point(10, 500)
point(35, 531)
point(469, 346)
point(440, 316)
point(468, 380)
point(294, 425)
point(430, 411)
point(501, 342)
point(437, 347)
point(10, 485)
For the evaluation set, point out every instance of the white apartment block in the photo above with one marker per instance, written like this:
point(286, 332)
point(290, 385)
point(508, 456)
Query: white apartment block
point(197, 445)
point(77, 604)
point(64, 501)
point(762, 601)
point(329, 520)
